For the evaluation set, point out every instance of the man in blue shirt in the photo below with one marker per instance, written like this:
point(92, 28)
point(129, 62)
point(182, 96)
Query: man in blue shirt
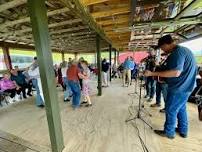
point(128, 65)
point(180, 76)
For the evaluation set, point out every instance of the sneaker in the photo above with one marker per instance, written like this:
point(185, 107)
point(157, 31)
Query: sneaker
point(17, 98)
point(163, 134)
point(155, 105)
point(66, 100)
point(9, 99)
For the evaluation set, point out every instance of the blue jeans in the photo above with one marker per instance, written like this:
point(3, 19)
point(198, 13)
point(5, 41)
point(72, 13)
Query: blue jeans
point(39, 100)
point(67, 91)
point(161, 88)
point(76, 90)
point(175, 108)
point(150, 87)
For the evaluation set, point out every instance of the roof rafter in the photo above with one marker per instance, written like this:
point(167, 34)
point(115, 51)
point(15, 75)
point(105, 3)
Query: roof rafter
point(118, 20)
point(27, 19)
point(11, 4)
point(111, 12)
point(93, 2)
point(53, 25)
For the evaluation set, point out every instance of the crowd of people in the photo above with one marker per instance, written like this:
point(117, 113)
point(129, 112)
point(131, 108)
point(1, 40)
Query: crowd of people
point(173, 76)
point(72, 76)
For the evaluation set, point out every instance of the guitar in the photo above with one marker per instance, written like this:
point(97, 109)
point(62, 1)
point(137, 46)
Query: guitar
point(161, 67)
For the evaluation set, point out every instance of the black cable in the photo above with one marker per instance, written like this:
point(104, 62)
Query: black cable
point(144, 146)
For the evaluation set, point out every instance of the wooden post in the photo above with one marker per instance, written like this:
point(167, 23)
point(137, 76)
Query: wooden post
point(118, 53)
point(63, 56)
point(115, 57)
point(7, 58)
point(39, 22)
point(95, 57)
point(76, 55)
point(99, 65)
point(110, 62)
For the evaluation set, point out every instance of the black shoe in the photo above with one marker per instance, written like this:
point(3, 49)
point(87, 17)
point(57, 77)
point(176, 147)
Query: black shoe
point(29, 94)
point(41, 106)
point(88, 105)
point(163, 134)
point(84, 102)
point(24, 96)
point(155, 105)
point(66, 100)
point(162, 110)
point(150, 100)
point(181, 134)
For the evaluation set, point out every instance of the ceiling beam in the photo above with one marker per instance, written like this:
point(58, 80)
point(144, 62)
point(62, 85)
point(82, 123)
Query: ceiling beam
point(53, 25)
point(188, 8)
point(147, 3)
point(27, 19)
point(169, 22)
point(81, 11)
point(73, 35)
point(116, 33)
point(73, 29)
point(132, 10)
point(21, 46)
point(11, 4)
point(118, 20)
point(111, 12)
point(93, 2)
point(113, 27)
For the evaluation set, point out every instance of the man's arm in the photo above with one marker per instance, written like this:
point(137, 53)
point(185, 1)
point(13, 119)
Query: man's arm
point(165, 74)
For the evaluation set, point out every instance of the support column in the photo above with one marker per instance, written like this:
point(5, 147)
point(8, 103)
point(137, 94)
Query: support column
point(115, 62)
point(99, 65)
point(76, 55)
point(7, 58)
point(63, 56)
point(39, 22)
point(118, 53)
point(95, 57)
point(110, 62)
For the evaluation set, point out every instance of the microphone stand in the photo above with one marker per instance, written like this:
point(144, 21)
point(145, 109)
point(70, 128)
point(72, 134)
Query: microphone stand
point(140, 109)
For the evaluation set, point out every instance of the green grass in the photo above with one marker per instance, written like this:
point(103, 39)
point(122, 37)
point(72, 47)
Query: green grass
point(199, 59)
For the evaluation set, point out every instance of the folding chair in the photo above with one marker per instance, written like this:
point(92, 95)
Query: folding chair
point(3, 98)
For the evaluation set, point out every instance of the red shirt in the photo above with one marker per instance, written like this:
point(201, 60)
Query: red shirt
point(72, 73)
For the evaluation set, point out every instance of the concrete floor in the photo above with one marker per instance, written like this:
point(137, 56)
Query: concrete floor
point(102, 127)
